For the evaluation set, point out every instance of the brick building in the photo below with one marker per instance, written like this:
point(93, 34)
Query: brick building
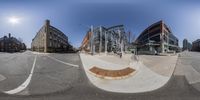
point(196, 45)
point(11, 44)
point(50, 39)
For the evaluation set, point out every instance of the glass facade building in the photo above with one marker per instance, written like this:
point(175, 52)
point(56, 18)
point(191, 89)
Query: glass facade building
point(157, 38)
point(101, 39)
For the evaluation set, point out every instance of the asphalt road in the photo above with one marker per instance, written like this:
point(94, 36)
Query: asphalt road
point(55, 80)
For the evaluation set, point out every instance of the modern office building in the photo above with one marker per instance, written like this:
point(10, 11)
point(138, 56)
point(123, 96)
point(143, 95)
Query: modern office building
point(186, 45)
point(101, 39)
point(11, 44)
point(196, 45)
point(50, 39)
point(157, 38)
point(189, 46)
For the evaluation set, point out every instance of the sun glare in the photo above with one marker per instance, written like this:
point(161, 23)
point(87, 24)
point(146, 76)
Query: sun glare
point(14, 20)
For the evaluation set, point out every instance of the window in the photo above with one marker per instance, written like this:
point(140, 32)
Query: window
point(50, 43)
point(156, 38)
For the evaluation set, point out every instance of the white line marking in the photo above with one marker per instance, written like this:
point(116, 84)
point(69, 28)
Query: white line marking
point(2, 77)
point(63, 62)
point(25, 84)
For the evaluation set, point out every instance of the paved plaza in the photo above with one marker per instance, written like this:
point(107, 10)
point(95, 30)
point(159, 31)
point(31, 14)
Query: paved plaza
point(143, 80)
point(43, 76)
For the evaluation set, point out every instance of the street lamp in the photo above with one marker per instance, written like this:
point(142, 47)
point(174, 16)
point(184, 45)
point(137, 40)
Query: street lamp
point(92, 40)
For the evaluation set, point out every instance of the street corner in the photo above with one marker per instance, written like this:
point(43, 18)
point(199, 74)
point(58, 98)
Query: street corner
point(118, 78)
point(110, 66)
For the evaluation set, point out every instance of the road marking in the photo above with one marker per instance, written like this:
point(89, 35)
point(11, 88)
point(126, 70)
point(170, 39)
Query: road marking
point(39, 53)
point(25, 84)
point(2, 77)
point(63, 61)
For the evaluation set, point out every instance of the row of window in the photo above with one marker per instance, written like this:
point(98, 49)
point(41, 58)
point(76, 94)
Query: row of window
point(58, 32)
point(197, 44)
point(54, 35)
point(54, 44)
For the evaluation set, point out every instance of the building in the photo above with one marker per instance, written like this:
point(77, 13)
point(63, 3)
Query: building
point(50, 39)
point(186, 45)
point(157, 38)
point(101, 39)
point(189, 46)
point(196, 45)
point(11, 44)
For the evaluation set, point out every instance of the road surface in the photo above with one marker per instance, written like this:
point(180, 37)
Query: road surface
point(53, 79)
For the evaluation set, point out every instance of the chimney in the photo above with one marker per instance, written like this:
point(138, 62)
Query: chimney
point(9, 35)
point(47, 22)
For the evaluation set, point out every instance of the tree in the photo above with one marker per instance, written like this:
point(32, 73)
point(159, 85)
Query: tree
point(20, 40)
point(133, 37)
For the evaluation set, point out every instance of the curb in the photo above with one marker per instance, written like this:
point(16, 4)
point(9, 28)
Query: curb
point(113, 78)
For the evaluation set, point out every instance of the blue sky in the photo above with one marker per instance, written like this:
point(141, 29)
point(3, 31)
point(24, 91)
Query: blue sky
point(72, 16)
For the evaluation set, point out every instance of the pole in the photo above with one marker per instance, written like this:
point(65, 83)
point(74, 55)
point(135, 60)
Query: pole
point(92, 37)
point(100, 40)
point(105, 43)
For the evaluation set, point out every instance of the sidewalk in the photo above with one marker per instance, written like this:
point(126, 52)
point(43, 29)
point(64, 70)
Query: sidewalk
point(142, 81)
point(187, 64)
point(163, 65)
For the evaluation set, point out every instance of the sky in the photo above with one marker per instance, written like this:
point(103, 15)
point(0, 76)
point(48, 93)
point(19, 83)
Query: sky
point(74, 17)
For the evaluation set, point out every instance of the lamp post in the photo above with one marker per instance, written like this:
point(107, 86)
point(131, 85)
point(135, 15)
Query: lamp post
point(92, 41)
point(105, 43)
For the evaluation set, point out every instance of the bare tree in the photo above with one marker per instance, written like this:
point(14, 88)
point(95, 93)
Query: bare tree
point(20, 40)
point(133, 38)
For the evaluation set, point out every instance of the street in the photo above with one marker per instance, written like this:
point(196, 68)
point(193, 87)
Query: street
point(61, 77)
point(49, 74)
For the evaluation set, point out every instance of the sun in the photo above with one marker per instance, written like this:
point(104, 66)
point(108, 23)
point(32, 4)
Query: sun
point(14, 20)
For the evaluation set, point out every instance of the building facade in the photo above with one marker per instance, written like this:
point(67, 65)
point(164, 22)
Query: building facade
point(186, 45)
point(157, 38)
point(101, 39)
point(11, 44)
point(196, 45)
point(50, 39)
